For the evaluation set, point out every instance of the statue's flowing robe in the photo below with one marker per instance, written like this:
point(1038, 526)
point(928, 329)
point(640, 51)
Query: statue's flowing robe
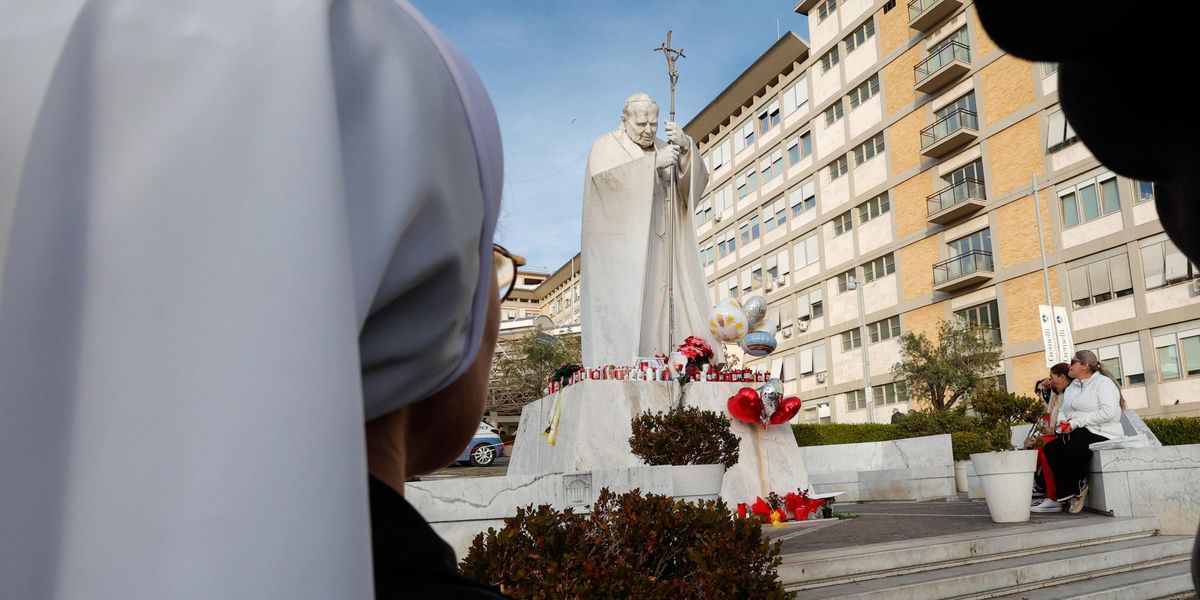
point(626, 244)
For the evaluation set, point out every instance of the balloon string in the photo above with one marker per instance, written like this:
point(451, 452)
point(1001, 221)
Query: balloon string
point(762, 465)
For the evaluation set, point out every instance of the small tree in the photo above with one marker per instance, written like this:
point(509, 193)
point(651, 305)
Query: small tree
point(964, 356)
point(521, 368)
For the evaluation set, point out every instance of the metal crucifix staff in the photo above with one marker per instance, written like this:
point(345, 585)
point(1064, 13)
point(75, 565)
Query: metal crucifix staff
point(671, 55)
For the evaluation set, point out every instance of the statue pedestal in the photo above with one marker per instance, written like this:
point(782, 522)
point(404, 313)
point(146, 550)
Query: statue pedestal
point(594, 430)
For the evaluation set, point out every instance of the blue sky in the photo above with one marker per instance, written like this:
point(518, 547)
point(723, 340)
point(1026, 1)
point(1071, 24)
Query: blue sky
point(558, 72)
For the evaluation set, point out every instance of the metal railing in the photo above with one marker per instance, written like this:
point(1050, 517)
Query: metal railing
point(944, 56)
point(916, 7)
point(974, 261)
point(955, 194)
point(959, 118)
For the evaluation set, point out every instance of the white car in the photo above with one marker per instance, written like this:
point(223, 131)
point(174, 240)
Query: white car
point(485, 447)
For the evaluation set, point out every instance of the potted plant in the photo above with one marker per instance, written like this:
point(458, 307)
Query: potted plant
point(697, 442)
point(1006, 474)
point(963, 444)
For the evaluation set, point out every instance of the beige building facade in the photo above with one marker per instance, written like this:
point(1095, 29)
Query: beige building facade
point(880, 178)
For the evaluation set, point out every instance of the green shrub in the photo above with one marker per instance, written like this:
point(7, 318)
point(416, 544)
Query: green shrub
point(965, 443)
point(684, 436)
point(998, 407)
point(824, 434)
point(918, 423)
point(1177, 431)
point(631, 546)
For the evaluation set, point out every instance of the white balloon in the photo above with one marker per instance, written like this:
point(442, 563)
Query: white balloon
point(727, 321)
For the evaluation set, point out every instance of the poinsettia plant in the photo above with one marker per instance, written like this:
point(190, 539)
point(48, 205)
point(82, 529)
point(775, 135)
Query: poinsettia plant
point(775, 508)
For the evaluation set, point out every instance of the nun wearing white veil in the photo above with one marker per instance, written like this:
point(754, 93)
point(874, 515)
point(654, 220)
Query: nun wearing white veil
point(230, 234)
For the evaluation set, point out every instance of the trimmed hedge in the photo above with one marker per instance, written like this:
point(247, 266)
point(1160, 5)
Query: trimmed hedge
point(825, 434)
point(1170, 431)
point(1177, 431)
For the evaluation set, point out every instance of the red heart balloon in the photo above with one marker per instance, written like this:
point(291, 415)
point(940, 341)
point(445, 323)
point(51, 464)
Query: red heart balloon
point(788, 407)
point(745, 405)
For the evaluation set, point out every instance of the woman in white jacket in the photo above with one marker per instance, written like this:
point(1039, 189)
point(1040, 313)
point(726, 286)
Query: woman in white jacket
point(1090, 412)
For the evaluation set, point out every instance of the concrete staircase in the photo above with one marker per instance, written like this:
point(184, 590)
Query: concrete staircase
point(1085, 557)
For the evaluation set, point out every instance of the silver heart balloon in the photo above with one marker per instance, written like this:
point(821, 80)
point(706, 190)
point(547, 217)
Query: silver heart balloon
point(771, 393)
point(755, 308)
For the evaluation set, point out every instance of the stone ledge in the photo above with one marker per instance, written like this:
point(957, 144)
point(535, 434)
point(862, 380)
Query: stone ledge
point(1148, 482)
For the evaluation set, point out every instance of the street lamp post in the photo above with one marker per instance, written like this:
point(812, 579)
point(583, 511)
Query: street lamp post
point(852, 283)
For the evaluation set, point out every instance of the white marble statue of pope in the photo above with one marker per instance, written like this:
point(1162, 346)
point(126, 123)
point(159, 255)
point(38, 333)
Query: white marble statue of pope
point(626, 242)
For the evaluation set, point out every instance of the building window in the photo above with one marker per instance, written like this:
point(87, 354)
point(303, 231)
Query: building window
point(860, 35)
point(729, 287)
point(979, 241)
point(795, 97)
point(890, 393)
point(812, 360)
point(807, 251)
point(829, 60)
point(856, 400)
point(746, 183)
point(966, 102)
point(874, 208)
point(1145, 191)
point(1100, 281)
point(726, 243)
point(771, 166)
point(843, 281)
point(834, 112)
point(869, 149)
point(756, 277)
point(704, 212)
point(985, 315)
point(775, 214)
point(769, 117)
point(1163, 264)
point(881, 267)
point(1090, 200)
point(825, 9)
point(720, 155)
point(843, 223)
point(838, 167)
point(707, 255)
point(750, 229)
point(1178, 355)
point(803, 197)
point(851, 339)
point(1124, 360)
point(884, 330)
point(864, 91)
point(745, 137)
point(800, 147)
point(777, 265)
point(1049, 69)
point(1059, 133)
point(809, 304)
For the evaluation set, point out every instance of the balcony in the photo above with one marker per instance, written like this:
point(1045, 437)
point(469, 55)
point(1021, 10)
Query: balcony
point(949, 133)
point(963, 271)
point(924, 14)
point(957, 201)
point(949, 63)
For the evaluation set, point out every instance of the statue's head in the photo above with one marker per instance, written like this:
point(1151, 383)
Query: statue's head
point(639, 119)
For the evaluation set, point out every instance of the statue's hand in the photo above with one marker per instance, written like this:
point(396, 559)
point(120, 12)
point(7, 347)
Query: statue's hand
point(675, 134)
point(666, 156)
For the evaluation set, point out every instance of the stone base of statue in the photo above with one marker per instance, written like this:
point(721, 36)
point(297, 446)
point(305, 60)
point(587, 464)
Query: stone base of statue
point(594, 430)
point(591, 452)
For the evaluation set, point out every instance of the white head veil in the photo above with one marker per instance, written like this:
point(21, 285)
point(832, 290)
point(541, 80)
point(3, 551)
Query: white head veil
point(229, 234)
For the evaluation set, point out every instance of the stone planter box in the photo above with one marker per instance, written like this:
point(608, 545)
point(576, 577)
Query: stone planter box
point(911, 469)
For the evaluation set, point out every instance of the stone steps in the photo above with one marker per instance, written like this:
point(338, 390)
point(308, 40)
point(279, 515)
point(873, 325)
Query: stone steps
point(846, 565)
point(1172, 580)
point(1095, 558)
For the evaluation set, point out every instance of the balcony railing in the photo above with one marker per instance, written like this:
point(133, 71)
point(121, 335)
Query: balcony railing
point(956, 128)
point(975, 262)
point(923, 14)
point(944, 56)
point(958, 199)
